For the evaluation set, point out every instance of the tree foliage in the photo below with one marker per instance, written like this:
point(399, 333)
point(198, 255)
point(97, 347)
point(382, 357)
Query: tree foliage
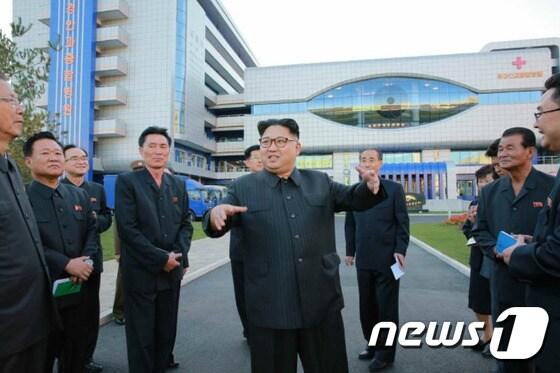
point(28, 71)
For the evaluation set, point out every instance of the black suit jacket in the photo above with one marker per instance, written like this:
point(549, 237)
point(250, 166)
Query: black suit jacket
point(152, 222)
point(499, 209)
point(103, 214)
point(26, 306)
point(288, 243)
point(67, 228)
point(539, 262)
point(373, 236)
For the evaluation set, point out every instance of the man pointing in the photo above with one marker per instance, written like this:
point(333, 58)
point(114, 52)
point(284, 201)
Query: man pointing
point(292, 284)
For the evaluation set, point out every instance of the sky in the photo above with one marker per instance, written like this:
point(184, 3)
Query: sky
point(281, 32)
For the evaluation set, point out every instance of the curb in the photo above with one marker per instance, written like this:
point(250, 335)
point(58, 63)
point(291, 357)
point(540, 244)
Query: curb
point(444, 258)
point(107, 315)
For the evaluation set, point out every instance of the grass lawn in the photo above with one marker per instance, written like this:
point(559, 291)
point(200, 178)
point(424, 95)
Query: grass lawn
point(109, 247)
point(448, 239)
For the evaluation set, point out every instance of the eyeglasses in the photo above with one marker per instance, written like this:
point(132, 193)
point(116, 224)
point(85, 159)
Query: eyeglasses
point(538, 114)
point(280, 142)
point(12, 101)
point(77, 159)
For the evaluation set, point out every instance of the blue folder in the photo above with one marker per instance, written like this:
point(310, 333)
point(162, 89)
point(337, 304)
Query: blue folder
point(505, 240)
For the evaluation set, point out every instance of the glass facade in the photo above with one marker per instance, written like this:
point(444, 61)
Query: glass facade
point(315, 162)
point(180, 67)
point(414, 157)
point(395, 102)
point(465, 157)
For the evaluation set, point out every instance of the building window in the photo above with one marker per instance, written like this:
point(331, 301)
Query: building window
point(472, 157)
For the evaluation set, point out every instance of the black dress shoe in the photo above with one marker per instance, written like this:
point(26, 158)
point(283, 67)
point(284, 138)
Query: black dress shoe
point(173, 365)
point(93, 367)
point(480, 345)
point(120, 321)
point(486, 352)
point(377, 365)
point(367, 354)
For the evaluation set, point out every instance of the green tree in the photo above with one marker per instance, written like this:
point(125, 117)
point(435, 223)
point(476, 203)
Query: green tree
point(28, 71)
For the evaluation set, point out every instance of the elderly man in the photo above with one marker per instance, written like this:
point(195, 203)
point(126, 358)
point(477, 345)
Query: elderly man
point(375, 237)
point(538, 261)
point(292, 284)
point(511, 204)
point(26, 305)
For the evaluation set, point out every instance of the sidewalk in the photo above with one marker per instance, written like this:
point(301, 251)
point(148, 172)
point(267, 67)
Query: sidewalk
point(205, 255)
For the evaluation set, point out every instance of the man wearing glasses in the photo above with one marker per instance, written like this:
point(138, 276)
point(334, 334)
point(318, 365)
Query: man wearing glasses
point(76, 167)
point(292, 284)
point(537, 258)
point(26, 306)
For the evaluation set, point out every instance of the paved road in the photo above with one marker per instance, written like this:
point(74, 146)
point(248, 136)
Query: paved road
point(209, 336)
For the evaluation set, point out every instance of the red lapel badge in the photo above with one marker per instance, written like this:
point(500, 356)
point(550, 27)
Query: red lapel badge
point(77, 208)
point(175, 199)
point(93, 199)
point(537, 204)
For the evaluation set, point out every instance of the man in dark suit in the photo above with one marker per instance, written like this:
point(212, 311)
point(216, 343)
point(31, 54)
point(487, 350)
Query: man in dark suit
point(538, 261)
point(26, 306)
point(68, 232)
point(374, 237)
point(77, 166)
point(151, 210)
point(292, 284)
point(253, 163)
point(511, 204)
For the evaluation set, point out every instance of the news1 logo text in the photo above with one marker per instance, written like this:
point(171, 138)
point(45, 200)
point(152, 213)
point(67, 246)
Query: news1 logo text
point(525, 340)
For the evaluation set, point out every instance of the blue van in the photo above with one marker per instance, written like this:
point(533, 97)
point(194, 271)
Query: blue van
point(201, 197)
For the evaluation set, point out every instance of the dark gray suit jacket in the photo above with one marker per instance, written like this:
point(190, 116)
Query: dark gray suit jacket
point(288, 241)
point(26, 307)
point(152, 222)
point(373, 236)
point(103, 214)
point(499, 209)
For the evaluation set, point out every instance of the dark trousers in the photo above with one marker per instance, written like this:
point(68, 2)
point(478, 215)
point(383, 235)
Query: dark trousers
point(91, 305)
point(379, 301)
point(151, 320)
point(239, 290)
point(498, 285)
point(118, 303)
point(547, 359)
point(69, 345)
point(322, 349)
point(31, 360)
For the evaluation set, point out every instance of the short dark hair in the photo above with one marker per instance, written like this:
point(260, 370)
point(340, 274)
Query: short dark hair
point(528, 137)
point(485, 170)
point(72, 146)
point(492, 150)
point(153, 130)
point(289, 123)
point(378, 151)
point(249, 150)
point(28, 145)
point(554, 83)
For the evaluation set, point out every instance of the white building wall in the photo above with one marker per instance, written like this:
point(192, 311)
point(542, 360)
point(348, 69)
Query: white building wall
point(477, 71)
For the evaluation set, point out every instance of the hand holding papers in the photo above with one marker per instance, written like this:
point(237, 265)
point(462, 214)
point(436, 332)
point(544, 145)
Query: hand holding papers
point(396, 268)
point(64, 287)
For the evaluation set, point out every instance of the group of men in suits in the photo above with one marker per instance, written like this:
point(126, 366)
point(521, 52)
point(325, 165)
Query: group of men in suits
point(511, 204)
point(50, 231)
